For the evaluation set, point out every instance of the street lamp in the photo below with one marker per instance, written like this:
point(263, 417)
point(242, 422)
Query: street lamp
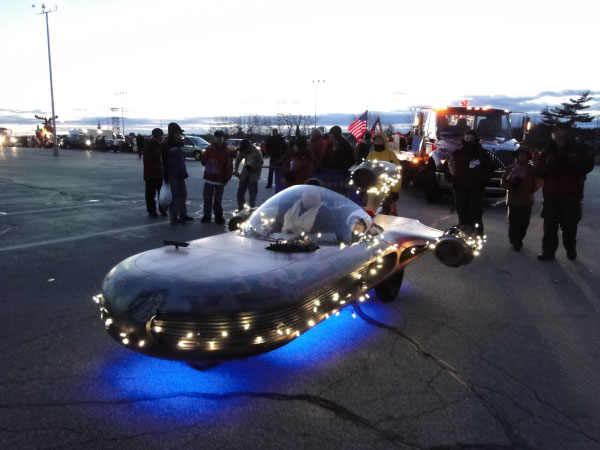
point(46, 12)
point(121, 94)
point(316, 85)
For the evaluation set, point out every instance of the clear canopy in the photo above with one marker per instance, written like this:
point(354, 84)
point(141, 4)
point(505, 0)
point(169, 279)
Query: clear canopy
point(310, 213)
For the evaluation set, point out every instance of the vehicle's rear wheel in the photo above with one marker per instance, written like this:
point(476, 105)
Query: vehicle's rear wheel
point(388, 290)
point(197, 155)
point(433, 193)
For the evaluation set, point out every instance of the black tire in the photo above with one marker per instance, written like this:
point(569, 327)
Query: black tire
point(387, 290)
point(433, 193)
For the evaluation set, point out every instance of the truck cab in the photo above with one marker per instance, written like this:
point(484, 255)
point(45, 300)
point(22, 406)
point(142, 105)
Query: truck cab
point(438, 133)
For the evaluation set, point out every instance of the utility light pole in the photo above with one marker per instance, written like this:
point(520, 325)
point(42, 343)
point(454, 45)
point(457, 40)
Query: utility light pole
point(46, 12)
point(316, 85)
point(121, 94)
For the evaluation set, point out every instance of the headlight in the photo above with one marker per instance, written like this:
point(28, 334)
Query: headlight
point(1, 139)
point(88, 142)
point(13, 140)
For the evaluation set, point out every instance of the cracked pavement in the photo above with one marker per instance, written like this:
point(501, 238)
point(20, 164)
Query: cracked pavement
point(500, 354)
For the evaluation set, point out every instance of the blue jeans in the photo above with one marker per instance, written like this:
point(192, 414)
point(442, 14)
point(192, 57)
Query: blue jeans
point(213, 195)
point(177, 208)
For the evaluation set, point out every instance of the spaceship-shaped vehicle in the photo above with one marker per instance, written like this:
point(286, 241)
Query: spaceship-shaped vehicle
point(298, 259)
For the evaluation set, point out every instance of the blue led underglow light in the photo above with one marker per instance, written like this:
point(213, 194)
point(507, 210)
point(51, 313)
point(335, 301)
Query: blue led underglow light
point(171, 390)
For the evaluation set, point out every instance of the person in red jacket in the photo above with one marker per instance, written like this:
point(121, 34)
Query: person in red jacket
point(299, 165)
point(218, 170)
point(318, 146)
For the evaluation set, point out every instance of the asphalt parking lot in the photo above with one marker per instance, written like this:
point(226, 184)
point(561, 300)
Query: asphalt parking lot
point(502, 353)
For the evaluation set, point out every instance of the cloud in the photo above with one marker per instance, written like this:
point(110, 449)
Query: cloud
point(24, 122)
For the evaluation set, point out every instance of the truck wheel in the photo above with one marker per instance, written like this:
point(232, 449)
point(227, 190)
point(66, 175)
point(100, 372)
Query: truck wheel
point(387, 290)
point(433, 193)
point(197, 155)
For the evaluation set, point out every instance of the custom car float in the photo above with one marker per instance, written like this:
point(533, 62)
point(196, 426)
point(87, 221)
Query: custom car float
point(297, 260)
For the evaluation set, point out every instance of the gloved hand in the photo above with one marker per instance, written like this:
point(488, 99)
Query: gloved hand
point(394, 196)
point(247, 167)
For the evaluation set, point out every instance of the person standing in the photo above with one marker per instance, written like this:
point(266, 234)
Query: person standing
point(318, 147)
point(364, 148)
point(470, 167)
point(299, 165)
point(520, 183)
point(154, 171)
point(140, 142)
point(175, 174)
point(217, 173)
point(381, 152)
point(563, 166)
point(276, 149)
point(340, 154)
point(250, 175)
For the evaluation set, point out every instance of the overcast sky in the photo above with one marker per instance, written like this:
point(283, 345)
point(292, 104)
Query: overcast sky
point(189, 59)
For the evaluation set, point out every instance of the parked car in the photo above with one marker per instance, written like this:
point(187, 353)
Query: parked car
point(193, 147)
point(234, 145)
point(77, 138)
point(6, 138)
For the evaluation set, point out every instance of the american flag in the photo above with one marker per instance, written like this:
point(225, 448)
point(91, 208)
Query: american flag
point(359, 126)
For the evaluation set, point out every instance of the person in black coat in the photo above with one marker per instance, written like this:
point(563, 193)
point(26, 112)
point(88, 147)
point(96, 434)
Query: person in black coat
point(363, 149)
point(175, 174)
point(470, 167)
point(339, 154)
point(563, 165)
point(153, 171)
point(276, 150)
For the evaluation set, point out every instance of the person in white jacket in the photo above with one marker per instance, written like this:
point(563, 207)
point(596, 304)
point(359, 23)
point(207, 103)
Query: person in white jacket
point(251, 170)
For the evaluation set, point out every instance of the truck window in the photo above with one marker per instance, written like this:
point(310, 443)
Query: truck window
point(456, 121)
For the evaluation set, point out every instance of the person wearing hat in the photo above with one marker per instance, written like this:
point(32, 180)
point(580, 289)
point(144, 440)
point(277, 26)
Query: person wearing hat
point(563, 166)
point(470, 167)
point(153, 171)
point(175, 174)
point(218, 170)
point(520, 183)
point(382, 152)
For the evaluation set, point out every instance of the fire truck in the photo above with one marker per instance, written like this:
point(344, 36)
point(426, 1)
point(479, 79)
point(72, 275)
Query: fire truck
point(437, 133)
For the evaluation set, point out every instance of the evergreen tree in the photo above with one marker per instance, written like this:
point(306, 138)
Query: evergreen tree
point(569, 113)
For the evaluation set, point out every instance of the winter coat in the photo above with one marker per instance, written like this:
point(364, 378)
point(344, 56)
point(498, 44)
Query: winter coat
point(318, 147)
point(218, 164)
point(563, 169)
point(470, 166)
point(341, 157)
point(276, 148)
point(253, 162)
point(363, 149)
point(385, 154)
point(174, 161)
point(153, 163)
point(297, 168)
point(520, 183)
